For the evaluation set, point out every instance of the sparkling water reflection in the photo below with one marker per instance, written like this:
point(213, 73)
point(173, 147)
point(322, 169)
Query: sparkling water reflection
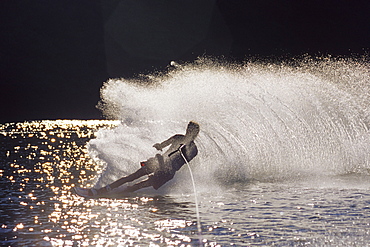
point(42, 161)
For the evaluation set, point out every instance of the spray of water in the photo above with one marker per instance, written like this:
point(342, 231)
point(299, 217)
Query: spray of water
point(258, 121)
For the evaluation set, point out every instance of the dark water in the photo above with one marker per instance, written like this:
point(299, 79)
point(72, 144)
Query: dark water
point(42, 161)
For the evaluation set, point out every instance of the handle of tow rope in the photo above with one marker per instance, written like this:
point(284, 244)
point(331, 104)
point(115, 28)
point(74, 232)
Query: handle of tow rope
point(177, 150)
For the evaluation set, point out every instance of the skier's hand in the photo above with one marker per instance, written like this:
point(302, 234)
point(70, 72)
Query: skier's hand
point(158, 146)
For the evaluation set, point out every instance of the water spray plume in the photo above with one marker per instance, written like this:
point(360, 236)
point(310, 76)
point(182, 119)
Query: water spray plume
point(309, 117)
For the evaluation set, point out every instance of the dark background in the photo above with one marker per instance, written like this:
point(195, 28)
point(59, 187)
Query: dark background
point(56, 54)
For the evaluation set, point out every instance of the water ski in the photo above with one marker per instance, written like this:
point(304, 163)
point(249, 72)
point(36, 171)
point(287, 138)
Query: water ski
point(88, 193)
point(83, 192)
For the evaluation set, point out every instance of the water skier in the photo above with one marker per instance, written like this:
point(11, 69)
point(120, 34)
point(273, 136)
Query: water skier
point(161, 168)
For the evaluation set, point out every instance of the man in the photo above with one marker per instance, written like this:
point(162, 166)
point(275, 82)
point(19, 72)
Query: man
point(161, 168)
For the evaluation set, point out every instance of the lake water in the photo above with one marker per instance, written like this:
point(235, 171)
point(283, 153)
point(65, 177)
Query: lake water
point(42, 161)
point(283, 161)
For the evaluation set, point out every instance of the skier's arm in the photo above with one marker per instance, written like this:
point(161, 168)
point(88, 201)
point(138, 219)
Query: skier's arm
point(169, 141)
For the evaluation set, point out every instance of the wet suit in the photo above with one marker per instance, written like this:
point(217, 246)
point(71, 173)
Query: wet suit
point(161, 168)
point(171, 164)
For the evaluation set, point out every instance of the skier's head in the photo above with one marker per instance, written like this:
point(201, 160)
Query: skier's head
point(192, 130)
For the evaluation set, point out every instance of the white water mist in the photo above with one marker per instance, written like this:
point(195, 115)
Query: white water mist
point(258, 121)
